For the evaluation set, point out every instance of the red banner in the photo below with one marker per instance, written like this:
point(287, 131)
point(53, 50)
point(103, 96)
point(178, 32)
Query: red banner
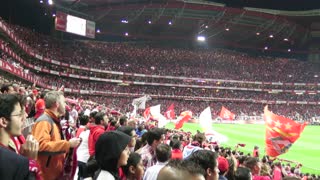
point(226, 114)
point(281, 133)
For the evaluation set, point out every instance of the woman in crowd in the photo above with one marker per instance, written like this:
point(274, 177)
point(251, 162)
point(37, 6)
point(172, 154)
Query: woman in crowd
point(112, 152)
point(134, 169)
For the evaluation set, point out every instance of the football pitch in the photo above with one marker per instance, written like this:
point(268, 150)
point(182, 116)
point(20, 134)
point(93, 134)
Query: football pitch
point(305, 150)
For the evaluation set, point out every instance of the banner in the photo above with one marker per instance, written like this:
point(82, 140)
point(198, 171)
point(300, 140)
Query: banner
point(226, 114)
point(281, 133)
point(184, 117)
point(170, 112)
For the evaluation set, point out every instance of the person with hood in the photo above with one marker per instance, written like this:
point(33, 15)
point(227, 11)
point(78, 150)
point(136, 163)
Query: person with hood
point(112, 152)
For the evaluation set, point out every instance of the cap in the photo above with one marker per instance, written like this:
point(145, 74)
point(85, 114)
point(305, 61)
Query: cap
point(223, 164)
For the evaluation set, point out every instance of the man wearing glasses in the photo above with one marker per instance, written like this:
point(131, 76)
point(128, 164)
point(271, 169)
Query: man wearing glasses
point(12, 117)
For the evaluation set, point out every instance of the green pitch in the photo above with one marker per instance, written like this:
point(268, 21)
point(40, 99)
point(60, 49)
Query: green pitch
point(305, 150)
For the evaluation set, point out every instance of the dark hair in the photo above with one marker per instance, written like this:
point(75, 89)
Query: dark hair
point(205, 158)
point(186, 165)
point(140, 128)
point(175, 144)
point(123, 120)
point(163, 152)
point(243, 173)
point(7, 103)
point(199, 137)
point(242, 159)
point(154, 134)
point(84, 119)
point(5, 87)
point(250, 162)
point(126, 129)
point(133, 160)
point(93, 114)
point(109, 148)
point(98, 117)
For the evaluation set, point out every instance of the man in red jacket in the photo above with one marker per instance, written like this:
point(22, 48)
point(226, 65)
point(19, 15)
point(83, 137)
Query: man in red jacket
point(101, 121)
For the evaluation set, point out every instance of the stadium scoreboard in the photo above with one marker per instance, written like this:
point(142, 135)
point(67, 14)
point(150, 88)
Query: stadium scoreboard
point(75, 25)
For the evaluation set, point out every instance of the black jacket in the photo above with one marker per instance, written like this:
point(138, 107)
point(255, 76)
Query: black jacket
point(13, 166)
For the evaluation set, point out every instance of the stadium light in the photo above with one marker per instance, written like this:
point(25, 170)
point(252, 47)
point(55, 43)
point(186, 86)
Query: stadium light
point(124, 21)
point(270, 36)
point(149, 22)
point(126, 34)
point(266, 48)
point(170, 22)
point(50, 2)
point(289, 50)
point(41, 1)
point(201, 38)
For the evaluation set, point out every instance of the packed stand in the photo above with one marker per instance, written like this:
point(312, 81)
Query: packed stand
point(66, 143)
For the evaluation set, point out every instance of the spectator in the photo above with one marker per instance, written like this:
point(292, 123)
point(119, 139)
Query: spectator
point(12, 117)
point(7, 89)
point(223, 167)
point(112, 152)
point(208, 161)
point(256, 152)
point(83, 149)
point(40, 105)
point(48, 131)
point(243, 173)
point(176, 149)
point(123, 121)
point(254, 164)
point(163, 155)
point(130, 132)
point(196, 145)
point(154, 138)
point(186, 170)
point(134, 169)
point(101, 121)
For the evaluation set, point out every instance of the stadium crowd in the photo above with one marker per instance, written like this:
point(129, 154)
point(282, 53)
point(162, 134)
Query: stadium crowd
point(89, 136)
point(145, 59)
point(95, 143)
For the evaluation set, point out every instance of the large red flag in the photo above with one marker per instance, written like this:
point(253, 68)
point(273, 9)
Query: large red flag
point(169, 114)
point(281, 133)
point(184, 117)
point(226, 114)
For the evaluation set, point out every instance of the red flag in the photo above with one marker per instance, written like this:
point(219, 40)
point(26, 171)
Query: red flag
point(184, 117)
point(169, 114)
point(146, 113)
point(226, 114)
point(281, 133)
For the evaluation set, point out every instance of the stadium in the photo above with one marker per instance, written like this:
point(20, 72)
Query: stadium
point(245, 72)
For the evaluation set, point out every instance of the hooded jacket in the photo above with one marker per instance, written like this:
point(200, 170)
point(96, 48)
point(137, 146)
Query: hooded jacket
point(108, 150)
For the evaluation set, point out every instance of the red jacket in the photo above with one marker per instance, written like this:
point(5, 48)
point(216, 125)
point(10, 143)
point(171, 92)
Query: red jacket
point(95, 132)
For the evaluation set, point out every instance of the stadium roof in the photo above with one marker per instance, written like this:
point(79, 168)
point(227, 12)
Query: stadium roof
point(237, 23)
point(221, 23)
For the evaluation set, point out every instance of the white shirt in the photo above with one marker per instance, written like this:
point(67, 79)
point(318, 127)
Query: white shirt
point(189, 149)
point(105, 175)
point(83, 149)
point(153, 171)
